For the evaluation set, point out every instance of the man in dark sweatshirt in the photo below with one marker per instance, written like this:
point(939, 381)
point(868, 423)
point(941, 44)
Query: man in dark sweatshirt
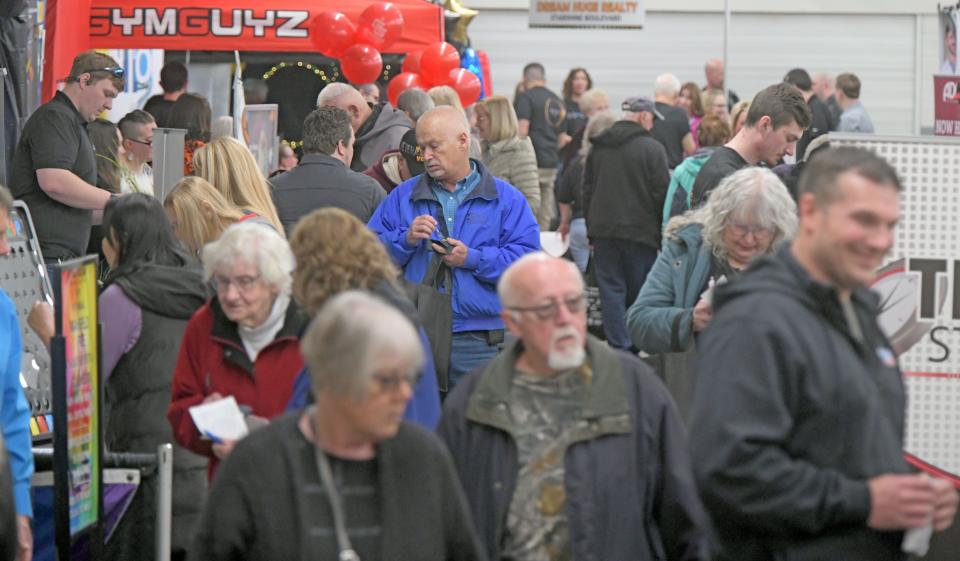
point(625, 182)
point(797, 422)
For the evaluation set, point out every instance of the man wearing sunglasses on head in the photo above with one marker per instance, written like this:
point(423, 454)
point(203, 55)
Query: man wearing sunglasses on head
point(54, 168)
point(566, 447)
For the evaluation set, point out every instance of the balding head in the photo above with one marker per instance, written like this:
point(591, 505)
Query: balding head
point(444, 134)
point(713, 71)
point(544, 306)
point(345, 97)
point(823, 85)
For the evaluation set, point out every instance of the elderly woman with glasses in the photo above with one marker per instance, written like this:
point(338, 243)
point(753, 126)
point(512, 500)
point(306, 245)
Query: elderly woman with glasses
point(346, 478)
point(750, 214)
point(245, 341)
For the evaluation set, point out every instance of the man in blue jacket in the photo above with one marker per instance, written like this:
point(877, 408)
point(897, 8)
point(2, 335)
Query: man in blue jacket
point(479, 223)
point(14, 411)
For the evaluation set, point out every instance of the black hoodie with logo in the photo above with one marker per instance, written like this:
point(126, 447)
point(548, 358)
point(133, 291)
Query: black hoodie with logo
point(624, 184)
point(792, 414)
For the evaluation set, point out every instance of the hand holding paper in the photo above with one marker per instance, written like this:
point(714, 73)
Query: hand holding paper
point(219, 420)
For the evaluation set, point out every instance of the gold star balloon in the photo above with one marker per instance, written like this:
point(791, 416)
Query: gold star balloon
point(459, 31)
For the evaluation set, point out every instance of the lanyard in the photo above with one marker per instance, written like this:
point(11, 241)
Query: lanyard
point(326, 476)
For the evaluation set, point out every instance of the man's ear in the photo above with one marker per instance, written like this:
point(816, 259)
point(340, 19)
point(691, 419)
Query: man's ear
point(509, 318)
point(806, 207)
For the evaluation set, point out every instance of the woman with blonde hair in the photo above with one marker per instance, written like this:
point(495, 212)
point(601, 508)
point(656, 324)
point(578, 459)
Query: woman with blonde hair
point(336, 252)
point(445, 95)
point(229, 166)
point(738, 116)
point(506, 154)
point(199, 213)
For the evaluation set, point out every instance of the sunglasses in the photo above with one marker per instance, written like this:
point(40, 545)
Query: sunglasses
point(116, 71)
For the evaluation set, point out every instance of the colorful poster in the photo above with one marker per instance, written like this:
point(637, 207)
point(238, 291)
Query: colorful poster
point(587, 13)
point(946, 109)
point(78, 295)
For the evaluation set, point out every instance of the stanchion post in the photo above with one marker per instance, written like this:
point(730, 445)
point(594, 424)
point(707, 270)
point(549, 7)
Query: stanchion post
point(164, 500)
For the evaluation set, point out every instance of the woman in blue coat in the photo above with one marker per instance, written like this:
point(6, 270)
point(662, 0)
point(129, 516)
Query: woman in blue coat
point(750, 214)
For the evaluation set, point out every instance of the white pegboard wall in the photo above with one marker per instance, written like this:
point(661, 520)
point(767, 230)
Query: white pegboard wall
point(929, 168)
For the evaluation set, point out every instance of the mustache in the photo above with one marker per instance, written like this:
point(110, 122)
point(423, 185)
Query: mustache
point(566, 331)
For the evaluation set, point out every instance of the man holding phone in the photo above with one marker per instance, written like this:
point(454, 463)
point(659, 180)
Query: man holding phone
point(479, 223)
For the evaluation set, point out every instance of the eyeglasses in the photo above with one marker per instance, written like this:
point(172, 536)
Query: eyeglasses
point(544, 312)
point(144, 142)
point(741, 230)
point(388, 383)
point(243, 284)
point(116, 71)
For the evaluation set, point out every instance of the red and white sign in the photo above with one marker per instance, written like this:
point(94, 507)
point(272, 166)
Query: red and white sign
point(946, 113)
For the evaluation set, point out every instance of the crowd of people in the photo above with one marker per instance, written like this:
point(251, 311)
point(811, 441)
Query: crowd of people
point(417, 375)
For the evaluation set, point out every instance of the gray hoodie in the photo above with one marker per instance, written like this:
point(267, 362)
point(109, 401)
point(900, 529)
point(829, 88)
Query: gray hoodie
point(380, 133)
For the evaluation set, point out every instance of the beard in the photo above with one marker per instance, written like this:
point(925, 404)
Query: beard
point(570, 357)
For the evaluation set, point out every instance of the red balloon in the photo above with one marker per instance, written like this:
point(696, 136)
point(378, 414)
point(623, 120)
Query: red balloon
point(411, 62)
point(381, 24)
point(466, 84)
point(437, 61)
point(361, 64)
point(332, 33)
point(403, 82)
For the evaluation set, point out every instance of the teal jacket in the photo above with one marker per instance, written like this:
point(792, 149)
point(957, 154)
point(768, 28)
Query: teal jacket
point(680, 190)
point(661, 320)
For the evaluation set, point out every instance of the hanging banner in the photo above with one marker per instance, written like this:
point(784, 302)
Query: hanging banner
point(946, 108)
point(243, 25)
point(587, 13)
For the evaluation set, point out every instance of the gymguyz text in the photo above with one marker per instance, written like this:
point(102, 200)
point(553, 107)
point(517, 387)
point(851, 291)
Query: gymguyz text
point(199, 22)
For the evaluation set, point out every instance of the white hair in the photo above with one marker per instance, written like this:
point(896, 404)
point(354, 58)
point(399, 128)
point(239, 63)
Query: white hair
point(350, 336)
point(257, 244)
point(591, 97)
point(222, 126)
point(507, 285)
point(448, 111)
point(754, 192)
point(666, 85)
point(333, 92)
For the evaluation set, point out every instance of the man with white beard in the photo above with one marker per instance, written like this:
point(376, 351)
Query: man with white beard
point(567, 448)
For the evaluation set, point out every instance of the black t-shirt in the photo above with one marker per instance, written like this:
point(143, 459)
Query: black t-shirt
point(55, 136)
point(546, 113)
point(670, 132)
point(722, 163)
point(160, 109)
point(575, 119)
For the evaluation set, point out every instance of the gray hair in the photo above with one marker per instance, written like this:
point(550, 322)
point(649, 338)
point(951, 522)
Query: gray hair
point(596, 125)
point(414, 102)
point(507, 285)
point(667, 85)
point(334, 91)
point(752, 191)
point(257, 244)
point(349, 337)
point(590, 97)
point(448, 113)
point(222, 126)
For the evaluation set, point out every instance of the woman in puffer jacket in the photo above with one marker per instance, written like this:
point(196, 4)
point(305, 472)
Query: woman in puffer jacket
point(504, 152)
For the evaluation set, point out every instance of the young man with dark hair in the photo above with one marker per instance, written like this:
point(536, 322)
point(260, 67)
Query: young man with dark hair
point(777, 117)
point(324, 178)
point(54, 169)
point(854, 117)
point(540, 115)
point(136, 128)
point(819, 112)
point(173, 80)
point(797, 423)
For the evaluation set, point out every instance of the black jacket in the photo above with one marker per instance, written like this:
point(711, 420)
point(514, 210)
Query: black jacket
point(819, 124)
point(624, 185)
point(253, 509)
point(792, 416)
point(323, 181)
point(627, 478)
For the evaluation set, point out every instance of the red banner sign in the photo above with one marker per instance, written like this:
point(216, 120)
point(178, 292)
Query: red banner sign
point(244, 25)
point(946, 99)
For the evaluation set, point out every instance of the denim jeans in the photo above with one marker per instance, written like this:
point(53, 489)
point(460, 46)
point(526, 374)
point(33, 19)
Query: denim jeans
point(579, 245)
point(621, 267)
point(468, 351)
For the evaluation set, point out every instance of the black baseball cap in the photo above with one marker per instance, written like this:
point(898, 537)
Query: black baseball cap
point(412, 152)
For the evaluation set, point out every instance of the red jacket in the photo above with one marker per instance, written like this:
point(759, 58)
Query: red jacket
point(212, 359)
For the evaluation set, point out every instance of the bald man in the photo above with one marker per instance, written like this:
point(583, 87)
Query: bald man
point(377, 128)
point(580, 444)
point(715, 74)
point(457, 216)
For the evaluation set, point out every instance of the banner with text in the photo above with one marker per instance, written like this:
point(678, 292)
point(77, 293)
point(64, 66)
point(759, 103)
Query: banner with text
point(946, 112)
point(587, 13)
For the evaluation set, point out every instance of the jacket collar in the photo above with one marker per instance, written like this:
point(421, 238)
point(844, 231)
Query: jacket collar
point(225, 331)
point(486, 188)
point(321, 159)
point(605, 408)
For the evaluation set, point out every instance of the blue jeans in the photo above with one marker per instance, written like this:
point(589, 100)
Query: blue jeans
point(579, 245)
point(621, 267)
point(468, 351)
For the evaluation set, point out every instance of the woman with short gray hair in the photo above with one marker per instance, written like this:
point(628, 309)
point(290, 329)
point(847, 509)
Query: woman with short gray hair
point(284, 492)
point(242, 343)
point(750, 214)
